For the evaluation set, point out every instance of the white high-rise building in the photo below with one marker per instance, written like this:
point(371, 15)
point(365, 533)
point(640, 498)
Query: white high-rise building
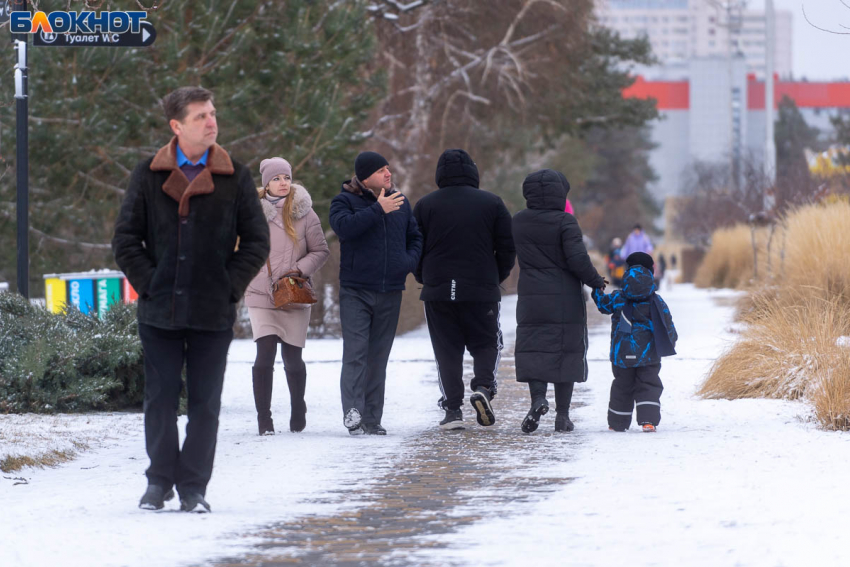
point(680, 30)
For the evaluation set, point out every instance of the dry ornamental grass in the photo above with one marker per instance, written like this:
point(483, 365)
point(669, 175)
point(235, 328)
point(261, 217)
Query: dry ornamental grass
point(793, 346)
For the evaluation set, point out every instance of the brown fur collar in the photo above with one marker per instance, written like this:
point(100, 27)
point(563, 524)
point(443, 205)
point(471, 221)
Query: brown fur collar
point(177, 185)
point(356, 186)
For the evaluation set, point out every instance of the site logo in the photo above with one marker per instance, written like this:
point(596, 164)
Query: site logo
point(87, 22)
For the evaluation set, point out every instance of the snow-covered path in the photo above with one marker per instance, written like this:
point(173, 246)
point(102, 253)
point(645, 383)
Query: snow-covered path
point(747, 482)
point(722, 483)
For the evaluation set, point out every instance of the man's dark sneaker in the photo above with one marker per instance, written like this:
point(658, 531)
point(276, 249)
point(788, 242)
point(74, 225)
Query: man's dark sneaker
point(155, 497)
point(352, 419)
point(453, 419)
point(376, 429)
point(539, 408)
point(194, 502)
point(359, 430)
point(563, 423)
point(480, 400)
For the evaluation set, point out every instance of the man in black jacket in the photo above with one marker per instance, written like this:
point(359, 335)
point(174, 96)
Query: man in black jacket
point(379, 245)
point(468, 251)
point(175, 239)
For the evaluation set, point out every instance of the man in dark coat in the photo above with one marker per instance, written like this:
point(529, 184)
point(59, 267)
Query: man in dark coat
point(175, 239)
point(467, 252)
point(551, 340)
point(379, 245)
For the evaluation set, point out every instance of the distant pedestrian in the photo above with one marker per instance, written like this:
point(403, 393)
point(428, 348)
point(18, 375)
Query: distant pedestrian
point(175, 239)
point(638, 241)
point(642, 332)
point(298, 247)
point(615, 262)
point(551, 336)
point(467, 252)
point(660, 270)
point(379, 245)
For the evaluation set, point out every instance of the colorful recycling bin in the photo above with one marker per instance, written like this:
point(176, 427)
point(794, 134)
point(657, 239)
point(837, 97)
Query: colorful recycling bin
point(91, 292)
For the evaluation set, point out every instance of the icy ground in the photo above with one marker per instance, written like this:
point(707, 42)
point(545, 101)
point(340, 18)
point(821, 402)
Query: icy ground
point(748, 482)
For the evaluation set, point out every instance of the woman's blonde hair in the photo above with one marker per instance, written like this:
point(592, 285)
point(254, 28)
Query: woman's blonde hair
point(288, 225)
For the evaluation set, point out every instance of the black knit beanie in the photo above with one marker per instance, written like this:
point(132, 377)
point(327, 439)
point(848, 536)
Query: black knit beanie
point(641, 259)
point(368, 163)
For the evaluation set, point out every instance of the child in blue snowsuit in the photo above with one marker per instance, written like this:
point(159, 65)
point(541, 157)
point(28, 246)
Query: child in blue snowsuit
point(642, 331)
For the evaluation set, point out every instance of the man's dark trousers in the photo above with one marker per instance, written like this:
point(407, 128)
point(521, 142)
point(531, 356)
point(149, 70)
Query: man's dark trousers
point(205, 356)
point(638, 388)
point(369, 320)
point(474, 325)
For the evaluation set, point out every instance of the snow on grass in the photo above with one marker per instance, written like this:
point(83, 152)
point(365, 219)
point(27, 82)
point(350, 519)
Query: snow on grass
point(744, 482)
point(85, 512)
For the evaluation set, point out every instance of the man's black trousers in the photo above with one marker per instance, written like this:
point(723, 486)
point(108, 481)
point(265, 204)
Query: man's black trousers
point(639, 388)
point(205, 355)
point(454, 326)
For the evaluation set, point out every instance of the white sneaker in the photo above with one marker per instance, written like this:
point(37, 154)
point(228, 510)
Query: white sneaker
point(351, 421)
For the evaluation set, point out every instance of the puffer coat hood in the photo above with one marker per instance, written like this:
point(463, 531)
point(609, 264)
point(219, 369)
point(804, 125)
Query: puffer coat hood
point(546, 189)
point(455, 168)
point(638, 283)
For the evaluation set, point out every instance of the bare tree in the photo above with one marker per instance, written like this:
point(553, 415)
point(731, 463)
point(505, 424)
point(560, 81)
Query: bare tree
point(463, 72)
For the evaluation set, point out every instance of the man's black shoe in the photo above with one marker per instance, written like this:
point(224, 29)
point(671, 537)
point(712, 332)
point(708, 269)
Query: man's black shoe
point(376, 429)
point(155, 497)
point(480, 400)
point(194, 502)
point(562, 422)
point(453, 420)
point(539, 408)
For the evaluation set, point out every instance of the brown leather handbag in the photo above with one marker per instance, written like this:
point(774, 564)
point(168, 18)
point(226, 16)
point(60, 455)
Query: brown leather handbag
point(291, 288)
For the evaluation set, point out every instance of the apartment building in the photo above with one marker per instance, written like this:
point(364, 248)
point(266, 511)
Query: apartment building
point(680, 30)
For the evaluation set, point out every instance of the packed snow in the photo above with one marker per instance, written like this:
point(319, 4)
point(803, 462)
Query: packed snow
point(747, 482)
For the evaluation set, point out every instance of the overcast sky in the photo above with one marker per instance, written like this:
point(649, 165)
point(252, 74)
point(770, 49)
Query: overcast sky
point(818, 55)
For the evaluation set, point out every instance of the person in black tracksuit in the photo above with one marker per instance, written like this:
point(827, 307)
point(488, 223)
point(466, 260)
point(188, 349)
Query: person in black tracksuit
point(642, 331)
point(467, 252)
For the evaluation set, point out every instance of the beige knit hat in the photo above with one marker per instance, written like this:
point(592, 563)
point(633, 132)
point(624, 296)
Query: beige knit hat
point(271, 167)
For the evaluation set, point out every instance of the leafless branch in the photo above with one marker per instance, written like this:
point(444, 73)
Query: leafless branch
point(382, 120)
point(41, 120)
point(100, 183)
point(806, 16)
point(405, 7)
point(70, 242)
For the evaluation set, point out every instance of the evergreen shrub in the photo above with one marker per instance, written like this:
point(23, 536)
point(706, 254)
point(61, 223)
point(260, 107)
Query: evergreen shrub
point(68, 362)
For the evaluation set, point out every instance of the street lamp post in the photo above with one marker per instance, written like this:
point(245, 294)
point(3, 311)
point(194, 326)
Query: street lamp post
point(22, 154)
point(770, 48)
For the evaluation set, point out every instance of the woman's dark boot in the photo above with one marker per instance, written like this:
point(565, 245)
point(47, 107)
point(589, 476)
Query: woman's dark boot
point(563, 398)
point(562, 421)
point(297, 382)
point(263, 381)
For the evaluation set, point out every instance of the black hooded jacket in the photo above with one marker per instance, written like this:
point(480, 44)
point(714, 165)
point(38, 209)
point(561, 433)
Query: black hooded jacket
point(551, 340)
point(467, 249)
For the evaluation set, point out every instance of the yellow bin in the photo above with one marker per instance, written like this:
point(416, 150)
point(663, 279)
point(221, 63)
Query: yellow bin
point(55, 294)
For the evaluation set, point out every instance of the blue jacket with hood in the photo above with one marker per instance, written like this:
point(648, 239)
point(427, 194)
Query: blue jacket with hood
point(642, 329)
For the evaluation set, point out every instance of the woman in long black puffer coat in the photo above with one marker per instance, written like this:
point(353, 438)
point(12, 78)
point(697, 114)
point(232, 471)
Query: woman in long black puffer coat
point(551, 339)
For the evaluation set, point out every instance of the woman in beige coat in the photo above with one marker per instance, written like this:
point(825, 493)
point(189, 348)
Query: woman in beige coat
point(297, 244)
